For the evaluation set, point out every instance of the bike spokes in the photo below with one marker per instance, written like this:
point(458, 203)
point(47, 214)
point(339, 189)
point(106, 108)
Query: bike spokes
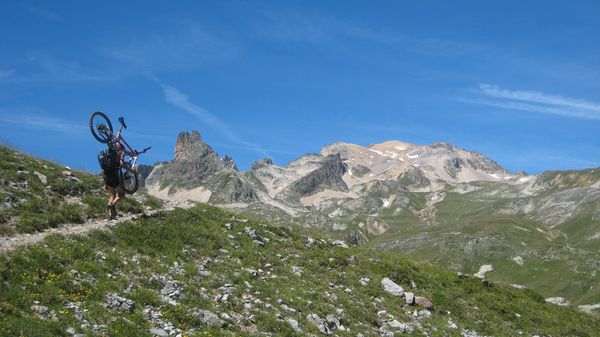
point(101, 127)
point(130, 181)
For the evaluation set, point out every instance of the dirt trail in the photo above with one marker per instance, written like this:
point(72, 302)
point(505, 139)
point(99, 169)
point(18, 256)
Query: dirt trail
point(8, 244)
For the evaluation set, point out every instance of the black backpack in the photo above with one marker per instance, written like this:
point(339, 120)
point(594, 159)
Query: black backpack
point(108, 160)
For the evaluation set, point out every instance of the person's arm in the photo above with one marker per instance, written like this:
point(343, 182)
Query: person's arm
point(122, 159)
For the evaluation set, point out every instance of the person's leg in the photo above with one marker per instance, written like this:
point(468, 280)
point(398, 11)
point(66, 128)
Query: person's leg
point(111, 199)
point(119, 194)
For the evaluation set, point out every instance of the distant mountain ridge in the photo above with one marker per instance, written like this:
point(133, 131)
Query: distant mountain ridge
point(340, 167)
point(437, 203)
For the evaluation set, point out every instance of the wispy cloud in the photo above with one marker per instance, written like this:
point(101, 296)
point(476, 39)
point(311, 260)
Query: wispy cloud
point(533, 101)
point(6, 72)
point(40, 12)
point(180, 100)
point(42, 123)
point(187, 46)
point(294, 25)
point(36, 120)
point(47, 68)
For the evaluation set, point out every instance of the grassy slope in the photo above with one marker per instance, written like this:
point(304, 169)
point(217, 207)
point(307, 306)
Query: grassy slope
point(63, 199)
point(123, 259)
point(469, 232)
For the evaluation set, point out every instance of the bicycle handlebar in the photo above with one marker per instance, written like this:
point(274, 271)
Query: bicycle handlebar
point(143, 151)
point(122, 121)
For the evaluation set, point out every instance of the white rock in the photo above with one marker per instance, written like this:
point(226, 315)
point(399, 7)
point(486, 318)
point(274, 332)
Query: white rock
point(43, 178)
point(518, 260)
point(391, 287)
point(557, 300)
point(340, 243)
point(589, 308)
point(294, 324)
point(486, 268)
point(409, 297)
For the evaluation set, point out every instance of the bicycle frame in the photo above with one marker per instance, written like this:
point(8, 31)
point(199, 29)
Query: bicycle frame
point(129, 151)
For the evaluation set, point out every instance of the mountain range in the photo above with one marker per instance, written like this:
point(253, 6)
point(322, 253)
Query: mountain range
point(436, 203)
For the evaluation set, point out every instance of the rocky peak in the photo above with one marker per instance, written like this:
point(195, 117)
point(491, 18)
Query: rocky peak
point(261, 163)
point(189, 147)
point(327, 176)
point(444, 145)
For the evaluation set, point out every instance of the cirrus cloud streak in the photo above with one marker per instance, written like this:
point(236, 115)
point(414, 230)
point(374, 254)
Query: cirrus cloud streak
point(533, 101)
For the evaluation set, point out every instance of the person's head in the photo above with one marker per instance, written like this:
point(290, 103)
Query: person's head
point(118, 146)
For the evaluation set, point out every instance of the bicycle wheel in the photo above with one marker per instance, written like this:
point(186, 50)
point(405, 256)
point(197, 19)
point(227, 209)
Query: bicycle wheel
point(129, 180)
point(101, 127)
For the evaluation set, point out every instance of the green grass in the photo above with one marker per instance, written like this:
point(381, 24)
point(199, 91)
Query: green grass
point(64, 199)
point(124, 259)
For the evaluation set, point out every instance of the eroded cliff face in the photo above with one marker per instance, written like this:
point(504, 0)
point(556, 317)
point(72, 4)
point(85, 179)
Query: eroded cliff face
point(198, 167)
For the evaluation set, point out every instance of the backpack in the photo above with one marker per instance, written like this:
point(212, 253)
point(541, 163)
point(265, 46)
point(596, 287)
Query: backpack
point(108, 160)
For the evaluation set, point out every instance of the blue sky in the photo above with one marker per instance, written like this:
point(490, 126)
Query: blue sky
point(515, 80)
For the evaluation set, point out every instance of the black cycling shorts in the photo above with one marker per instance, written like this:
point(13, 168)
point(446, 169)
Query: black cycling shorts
point(111, 179)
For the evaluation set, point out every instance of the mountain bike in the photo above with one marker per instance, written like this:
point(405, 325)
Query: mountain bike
point(102, 130)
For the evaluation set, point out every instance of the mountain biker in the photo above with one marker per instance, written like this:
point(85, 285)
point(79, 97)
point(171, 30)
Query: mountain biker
point(114, 186)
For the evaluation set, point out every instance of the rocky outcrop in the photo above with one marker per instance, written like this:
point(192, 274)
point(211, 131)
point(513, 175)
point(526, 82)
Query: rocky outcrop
point(360, 171)
point(453, 166)
point(144, 172)
point(257, 165)
point(413, 177)
point(327, 177)
point(190, 147)
point(196, 164)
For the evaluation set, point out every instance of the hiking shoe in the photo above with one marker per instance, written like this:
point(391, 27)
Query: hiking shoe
point(113, 212)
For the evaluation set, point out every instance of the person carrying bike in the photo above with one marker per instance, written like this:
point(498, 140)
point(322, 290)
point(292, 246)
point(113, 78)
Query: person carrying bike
point(120, 175)
point(110, 173)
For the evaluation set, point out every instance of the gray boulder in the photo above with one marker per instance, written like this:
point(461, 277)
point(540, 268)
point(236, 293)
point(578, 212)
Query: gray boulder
point(391, 287)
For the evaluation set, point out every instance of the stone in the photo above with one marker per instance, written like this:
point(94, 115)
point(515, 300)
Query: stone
point(423, 302)
point(486, 268)
point(410, 298)
point(558, 301)
point(209, 318)
point(340, 243)
point(320, 323)
point(395, 324)
point(294, 324)
point(43, 178)
point(39, 309)
point(364, 281)
point(423, 314)
point(114, 301)
point(589, 308)
point(391, 287)
point(158, 332)
point(256, 238)
point(333, 321)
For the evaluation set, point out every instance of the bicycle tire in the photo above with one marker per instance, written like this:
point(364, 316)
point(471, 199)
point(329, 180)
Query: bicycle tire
point(100, 136)
point(129, 180)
